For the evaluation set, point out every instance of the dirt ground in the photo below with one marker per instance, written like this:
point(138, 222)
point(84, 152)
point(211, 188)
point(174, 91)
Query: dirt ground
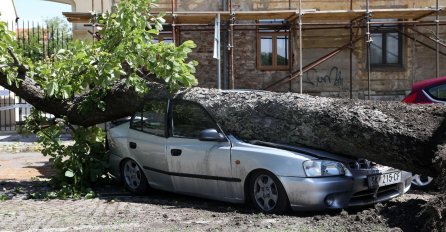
point(116, 210)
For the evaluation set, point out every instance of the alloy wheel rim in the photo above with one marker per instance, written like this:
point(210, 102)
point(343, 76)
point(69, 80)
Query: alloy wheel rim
point(421, 180)
point(132, 174)
point(265, 192)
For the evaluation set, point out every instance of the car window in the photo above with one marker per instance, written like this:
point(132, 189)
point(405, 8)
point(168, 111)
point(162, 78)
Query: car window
point(438, 92)
point(189, 119)
point(152, 119)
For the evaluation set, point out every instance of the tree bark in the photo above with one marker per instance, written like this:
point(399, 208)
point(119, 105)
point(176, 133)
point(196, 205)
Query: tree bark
point(391, 133)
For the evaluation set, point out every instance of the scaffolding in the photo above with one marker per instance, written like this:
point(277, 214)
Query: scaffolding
point(352, 19)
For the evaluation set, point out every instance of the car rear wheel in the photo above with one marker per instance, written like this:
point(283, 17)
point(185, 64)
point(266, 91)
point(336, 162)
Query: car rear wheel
point(133, 177)
point(267, 193)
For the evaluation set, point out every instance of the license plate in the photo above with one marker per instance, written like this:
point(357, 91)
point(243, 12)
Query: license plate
point(384, 179)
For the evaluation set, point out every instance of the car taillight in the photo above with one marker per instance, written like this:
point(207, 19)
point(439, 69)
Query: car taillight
point(411, 98)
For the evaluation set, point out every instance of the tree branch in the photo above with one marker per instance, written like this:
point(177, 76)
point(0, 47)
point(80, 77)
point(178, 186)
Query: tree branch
point(17, 63)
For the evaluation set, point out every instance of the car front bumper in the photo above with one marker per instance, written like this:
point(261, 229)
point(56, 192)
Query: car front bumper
point(339, 192)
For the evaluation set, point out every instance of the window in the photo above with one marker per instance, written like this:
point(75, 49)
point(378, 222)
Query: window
point(386, 48)
point(189, 119)
point(438, 92)
point(152, 119)
point(273, 45)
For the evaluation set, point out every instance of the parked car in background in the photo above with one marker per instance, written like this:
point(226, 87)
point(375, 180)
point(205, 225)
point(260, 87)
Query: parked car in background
point(177, 146)
point(426, 92)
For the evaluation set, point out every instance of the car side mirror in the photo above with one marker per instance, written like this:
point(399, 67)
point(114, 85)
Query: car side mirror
point(211, 135)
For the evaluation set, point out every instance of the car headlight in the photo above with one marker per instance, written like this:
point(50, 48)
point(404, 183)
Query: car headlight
point(317, 168)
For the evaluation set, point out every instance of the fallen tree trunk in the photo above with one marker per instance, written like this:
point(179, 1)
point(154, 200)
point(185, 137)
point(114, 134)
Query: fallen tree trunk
point(391, 133)
point(408, 137)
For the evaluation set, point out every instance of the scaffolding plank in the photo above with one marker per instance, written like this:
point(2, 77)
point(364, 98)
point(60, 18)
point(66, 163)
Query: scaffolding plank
point(77, 17)
point(207, 17)
point(340, 15)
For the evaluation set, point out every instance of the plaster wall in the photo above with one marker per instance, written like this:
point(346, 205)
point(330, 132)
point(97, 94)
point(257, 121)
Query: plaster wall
point(7, 11)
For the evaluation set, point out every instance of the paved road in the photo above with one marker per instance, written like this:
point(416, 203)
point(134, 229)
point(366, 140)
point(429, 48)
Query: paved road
point(23, 166)
point(116, 210)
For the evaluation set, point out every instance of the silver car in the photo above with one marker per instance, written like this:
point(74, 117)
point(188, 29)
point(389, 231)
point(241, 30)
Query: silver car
point(175, 145)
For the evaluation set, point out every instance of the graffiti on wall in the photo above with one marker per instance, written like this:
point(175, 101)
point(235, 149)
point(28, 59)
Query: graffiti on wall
point(316, 78)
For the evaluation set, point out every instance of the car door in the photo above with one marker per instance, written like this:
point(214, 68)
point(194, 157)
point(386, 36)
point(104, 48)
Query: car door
point(197, 167)
point(147, 142)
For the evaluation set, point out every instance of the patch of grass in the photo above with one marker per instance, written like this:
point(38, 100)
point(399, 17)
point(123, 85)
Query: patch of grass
point(3, 197)
point(61, 194)
point(18, 190)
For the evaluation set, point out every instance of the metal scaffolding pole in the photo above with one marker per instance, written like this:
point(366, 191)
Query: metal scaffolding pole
point(437, 44)
point(231, 47)
point(217, 54)
point(300, 46)
point(351, 59)
point(369, 41)
point(174, 40)
point(419, 41)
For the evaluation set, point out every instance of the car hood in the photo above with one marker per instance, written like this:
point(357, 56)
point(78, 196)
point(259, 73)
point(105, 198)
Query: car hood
point(307, 151)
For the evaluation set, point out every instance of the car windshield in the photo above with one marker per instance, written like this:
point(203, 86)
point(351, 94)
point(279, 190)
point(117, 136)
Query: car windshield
point(189, 119)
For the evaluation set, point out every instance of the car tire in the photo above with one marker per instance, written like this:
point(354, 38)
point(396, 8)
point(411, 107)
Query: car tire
point(133, 177)
point(422, 182)
point(267, 193)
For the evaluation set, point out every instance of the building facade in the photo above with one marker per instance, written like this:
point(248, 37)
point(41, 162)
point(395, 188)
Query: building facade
point(8, 11)
point(367, 49)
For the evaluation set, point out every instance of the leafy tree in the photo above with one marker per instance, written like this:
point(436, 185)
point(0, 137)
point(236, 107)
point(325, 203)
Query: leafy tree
point(79, 85)
point(58, 24)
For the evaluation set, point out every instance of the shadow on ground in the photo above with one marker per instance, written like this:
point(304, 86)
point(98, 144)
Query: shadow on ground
point(45, 169)
point(404, 214)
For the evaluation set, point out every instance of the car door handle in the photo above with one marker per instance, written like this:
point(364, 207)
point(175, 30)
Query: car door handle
point(132, 145)
point(175, 152)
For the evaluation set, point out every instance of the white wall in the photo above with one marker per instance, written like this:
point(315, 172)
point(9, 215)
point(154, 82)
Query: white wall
point(7, 10)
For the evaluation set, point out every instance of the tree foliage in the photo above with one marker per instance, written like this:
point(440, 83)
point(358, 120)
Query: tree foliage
point(85, 73)
point(58, 24)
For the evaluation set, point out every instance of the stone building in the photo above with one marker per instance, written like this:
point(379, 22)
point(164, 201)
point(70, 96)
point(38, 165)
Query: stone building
point(265, 44)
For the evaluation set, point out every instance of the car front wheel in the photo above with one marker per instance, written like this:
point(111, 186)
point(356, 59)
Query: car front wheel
point(267, 193)
point(133, 177)
point(422, 182)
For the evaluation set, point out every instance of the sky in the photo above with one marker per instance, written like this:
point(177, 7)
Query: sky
point(38, 10)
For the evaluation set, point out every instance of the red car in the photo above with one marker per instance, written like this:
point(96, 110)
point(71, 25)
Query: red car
point(428, 91)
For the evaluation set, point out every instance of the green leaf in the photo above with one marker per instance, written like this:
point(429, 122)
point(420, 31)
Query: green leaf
point(51, 88)
point(89, 195)
point(69, 174)
point(153, 31)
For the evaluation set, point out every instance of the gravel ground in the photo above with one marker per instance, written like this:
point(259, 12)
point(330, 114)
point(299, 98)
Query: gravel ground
point(23, 174)
point(116, 210)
